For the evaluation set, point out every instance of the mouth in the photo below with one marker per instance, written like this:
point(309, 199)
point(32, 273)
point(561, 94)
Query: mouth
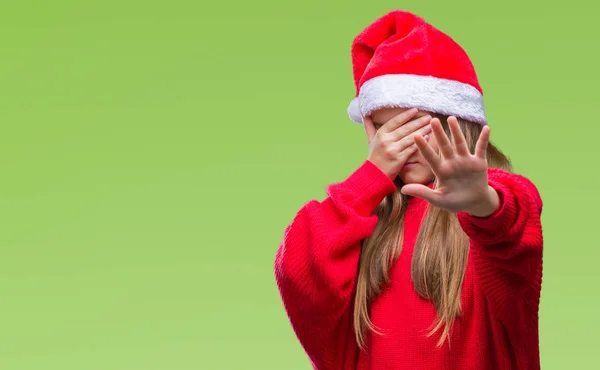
point(409, 164)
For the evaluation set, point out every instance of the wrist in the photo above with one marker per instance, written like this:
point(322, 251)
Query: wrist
point(487, 205)
point(387, 171)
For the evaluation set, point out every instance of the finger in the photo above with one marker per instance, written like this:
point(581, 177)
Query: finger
point(399, 120)
point(410, 127)
point(405, 152)
point(410, 139)
point(408, 152)
point(421, 191)
point(482, 143)
point(369, 128)
point(442, 139)
point(432, 158)
point(460, 144)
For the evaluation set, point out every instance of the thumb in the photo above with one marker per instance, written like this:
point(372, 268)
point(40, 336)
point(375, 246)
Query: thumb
point(420, 191)
point(369, 128)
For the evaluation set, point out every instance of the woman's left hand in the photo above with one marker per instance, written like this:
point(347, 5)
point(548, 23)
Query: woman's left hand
point(462, 178)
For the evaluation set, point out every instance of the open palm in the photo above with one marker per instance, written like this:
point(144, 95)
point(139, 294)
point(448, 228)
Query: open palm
point(462, 179)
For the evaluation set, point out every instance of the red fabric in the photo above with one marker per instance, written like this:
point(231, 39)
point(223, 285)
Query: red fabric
point(403, 43)
point(316, 267)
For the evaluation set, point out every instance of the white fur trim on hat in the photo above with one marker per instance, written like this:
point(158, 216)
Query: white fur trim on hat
point(432, 94)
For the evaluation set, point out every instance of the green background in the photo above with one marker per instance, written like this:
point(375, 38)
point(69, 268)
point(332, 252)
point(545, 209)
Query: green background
point(152, 154)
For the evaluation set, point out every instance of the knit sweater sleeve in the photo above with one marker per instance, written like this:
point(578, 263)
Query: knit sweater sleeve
point(507, 245)
point(316, 263)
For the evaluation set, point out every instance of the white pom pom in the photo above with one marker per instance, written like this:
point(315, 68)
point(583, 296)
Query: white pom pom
point(354, 111)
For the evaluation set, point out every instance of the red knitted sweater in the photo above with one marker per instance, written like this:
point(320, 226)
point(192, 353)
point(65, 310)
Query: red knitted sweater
point(316, 269)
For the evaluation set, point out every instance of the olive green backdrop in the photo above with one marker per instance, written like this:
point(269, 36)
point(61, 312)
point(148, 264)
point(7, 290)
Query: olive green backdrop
point(152, 153)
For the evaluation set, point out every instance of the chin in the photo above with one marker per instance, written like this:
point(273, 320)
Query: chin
point(415, 178)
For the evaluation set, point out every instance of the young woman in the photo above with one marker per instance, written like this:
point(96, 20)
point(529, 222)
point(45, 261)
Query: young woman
point(429, 255)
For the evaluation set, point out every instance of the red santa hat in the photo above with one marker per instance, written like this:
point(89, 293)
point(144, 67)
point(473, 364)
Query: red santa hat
point(402, 61)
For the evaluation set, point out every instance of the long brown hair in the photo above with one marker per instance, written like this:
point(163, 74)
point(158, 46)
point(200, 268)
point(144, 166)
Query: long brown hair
point(440, 255)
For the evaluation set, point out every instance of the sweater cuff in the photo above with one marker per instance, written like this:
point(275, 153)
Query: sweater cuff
point(364, 189)
point(490, 228)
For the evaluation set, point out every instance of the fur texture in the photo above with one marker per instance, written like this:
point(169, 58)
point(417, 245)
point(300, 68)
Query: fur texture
point(424, 92)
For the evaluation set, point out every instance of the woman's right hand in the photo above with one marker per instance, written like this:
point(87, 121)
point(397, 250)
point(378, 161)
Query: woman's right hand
point(393, 144)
